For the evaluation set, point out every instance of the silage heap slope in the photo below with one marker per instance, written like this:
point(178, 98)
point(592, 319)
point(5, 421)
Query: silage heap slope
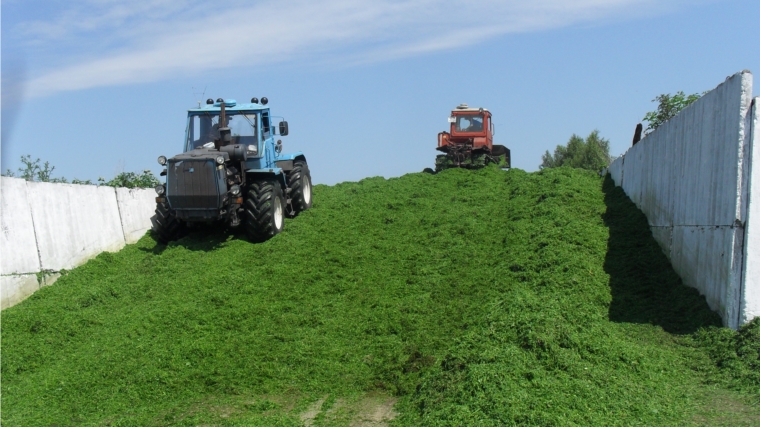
point(477, 297)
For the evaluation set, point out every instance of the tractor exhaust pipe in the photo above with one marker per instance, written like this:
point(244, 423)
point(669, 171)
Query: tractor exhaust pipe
point(225, 134)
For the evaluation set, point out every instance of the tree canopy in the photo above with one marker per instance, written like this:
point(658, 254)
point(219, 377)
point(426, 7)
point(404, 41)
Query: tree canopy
point(35, 170)
point(592, 153)
point(667, 107)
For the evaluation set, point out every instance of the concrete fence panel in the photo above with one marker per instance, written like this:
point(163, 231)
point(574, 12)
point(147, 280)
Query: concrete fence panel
point(49, 227)
point(19, 259)
point(74, 223)
point(685, 172)
point(616, 171)
point(691, 178)
point(750, 290)
point(703, 256)
point(136, 206)
point(18, 244)
point(16, 288)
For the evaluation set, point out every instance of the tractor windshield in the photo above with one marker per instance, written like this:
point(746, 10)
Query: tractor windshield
point(204, 129)
point(469, 123)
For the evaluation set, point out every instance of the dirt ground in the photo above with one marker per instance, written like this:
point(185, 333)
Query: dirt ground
point(371, 410)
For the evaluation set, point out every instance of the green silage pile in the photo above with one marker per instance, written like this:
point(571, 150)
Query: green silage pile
point(475, 297)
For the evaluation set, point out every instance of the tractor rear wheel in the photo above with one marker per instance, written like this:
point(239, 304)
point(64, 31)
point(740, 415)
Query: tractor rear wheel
point(299, 181)
point(165, 225)
point(264, 210)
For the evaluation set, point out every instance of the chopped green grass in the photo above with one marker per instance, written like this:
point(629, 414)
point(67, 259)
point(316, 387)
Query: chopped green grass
point(476, 297)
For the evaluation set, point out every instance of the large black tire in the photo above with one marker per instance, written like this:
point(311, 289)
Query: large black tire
point(299, 182)
point(166, 226)
point(502, 152)
point(264, 210)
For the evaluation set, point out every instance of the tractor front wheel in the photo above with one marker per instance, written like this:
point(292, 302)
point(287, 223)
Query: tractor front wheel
point(165, 225)
point(299, 181)
point(264, 210)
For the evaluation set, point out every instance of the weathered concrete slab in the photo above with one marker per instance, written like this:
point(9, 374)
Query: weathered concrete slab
point(616, 171)
point(750, 292)
point(14, 289)
point(687, 171)
point(691, 176)
point(136, 206)
point(664, 236)
point(704, 256)
point(18, 245)
point(74, 223)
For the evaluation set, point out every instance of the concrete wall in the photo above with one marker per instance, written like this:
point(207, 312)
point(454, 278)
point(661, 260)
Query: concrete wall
point(750, 290)
point(136, 206)
point(51, 227)
point(691, 177)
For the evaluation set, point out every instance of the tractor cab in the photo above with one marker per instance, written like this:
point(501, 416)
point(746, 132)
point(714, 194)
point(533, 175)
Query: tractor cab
point(470, 122)
point(468, 126)
point(250, 128)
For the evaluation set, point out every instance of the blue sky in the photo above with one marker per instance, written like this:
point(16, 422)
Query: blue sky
point(97, 87)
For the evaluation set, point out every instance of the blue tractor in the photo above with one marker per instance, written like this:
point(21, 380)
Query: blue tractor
point(233, 172)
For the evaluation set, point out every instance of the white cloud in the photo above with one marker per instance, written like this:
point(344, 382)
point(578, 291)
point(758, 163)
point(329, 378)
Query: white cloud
point(161, 39)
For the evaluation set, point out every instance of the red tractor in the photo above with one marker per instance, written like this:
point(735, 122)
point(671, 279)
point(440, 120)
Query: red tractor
point(469, 143)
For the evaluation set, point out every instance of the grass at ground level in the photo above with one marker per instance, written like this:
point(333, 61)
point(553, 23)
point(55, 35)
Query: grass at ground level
point(461, 298)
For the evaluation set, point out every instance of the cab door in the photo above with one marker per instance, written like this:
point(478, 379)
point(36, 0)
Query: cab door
point(489, 130)
point(267, 135)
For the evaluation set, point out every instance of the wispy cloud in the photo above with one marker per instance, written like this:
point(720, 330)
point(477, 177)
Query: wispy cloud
point(116, 42)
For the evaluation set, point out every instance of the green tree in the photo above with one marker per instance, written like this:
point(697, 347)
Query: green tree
point(132, 180)
point(35, 170)
point(667, 107)
point(592, 153)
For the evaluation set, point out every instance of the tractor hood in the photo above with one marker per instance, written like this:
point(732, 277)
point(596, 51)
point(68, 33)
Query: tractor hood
point(201, 153)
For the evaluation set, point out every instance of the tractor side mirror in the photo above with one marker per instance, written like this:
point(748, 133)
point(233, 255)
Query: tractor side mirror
point(283, 128)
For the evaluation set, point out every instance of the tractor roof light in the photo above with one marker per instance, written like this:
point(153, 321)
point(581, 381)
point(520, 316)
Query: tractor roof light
point(162, 160)
point(209, 101)
point(264, 101)
point(254, 100)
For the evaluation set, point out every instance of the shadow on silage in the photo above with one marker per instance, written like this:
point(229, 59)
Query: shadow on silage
point(644, 287)
point(204, 239)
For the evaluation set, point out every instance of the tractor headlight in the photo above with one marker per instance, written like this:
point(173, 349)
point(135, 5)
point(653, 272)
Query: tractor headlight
point(160, 190)
point(220, 160)
point(162, 160)
point(253, 149)
point(235, 190)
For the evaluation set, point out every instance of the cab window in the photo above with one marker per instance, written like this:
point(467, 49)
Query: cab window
point(469, 123)
point(203, 129)
point(266, 129)
point(200, 130)
point(243, 128)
